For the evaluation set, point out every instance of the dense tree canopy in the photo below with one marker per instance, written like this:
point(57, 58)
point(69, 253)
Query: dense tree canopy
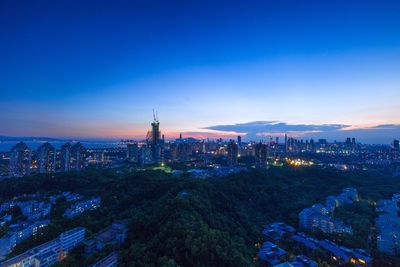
point(181, 221)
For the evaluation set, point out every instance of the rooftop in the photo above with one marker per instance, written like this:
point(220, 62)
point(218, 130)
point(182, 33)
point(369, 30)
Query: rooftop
point(334, 249)
point(305, 241)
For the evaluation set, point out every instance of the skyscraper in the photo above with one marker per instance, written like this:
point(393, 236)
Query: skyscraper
point(181, 151)
point(260, 155)
point(132, 152)
point(312, 145)
point(78, 157)
point(348, 144)
point(65, 157)
point(155, 131)
point(396, 145)
point(353, 144)
point(155, 143)
point(348, 141)
point(286, 144)
point(46, 158)
point(239, 141)
point(20, 160)
point(232, 152)
point(145, 155)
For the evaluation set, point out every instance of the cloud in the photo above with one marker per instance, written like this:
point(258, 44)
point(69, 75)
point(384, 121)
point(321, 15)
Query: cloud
point(204, 134)
point(257, 130)
point(272, 127)
point(386, 126)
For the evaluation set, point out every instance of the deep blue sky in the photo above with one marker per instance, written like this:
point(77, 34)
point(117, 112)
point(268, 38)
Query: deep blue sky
point(98, 68)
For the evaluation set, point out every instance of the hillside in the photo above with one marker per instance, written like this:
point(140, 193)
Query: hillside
point(180, 221)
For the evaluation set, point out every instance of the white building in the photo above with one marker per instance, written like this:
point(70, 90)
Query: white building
point(388, 226)
point(48, 253)
point(82, 206)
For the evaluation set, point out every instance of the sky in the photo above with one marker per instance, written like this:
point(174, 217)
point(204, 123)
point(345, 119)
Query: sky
point(97, 69)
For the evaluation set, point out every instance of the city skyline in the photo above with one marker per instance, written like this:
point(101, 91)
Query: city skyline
point(210, 69)
point(257, 133)
point(262, 131)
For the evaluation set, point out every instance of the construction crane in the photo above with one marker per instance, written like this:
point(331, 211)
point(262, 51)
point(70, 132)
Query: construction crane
point(155, 115)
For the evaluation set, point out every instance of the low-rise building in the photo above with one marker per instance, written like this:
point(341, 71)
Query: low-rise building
point(396, 197)
point(311, 219)
point(18, 233)
point(276, 231)
point(271, 254)
point(388, 226)
point(348, 196)
point(5, 219)
point(71, 238)
point(311, 247)
point(34, 210)
point(361, 258)
point(307, 244)
point(303, 261)
point(114, 235)
point(298, 261)
point(318, 216)
point(48, 253)
point(336, 254)
point(82, 206)
point(70, 197)
point(341, 255)
point(110, 260)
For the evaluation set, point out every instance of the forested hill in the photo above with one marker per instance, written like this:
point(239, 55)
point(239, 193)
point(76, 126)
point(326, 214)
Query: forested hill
point(186, 222)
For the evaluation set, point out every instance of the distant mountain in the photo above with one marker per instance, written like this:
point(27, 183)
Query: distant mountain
point(27, 139)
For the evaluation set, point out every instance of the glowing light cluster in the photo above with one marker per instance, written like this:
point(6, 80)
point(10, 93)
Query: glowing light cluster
point(299, 162)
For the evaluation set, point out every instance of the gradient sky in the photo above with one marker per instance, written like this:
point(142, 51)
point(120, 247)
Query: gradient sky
point(98, 68)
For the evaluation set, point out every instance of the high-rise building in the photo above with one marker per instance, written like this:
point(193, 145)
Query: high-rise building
point(348, 141)
point(145, 155)
point(132, 152)
point(155, 131)
point(65, 157)
point(155, 143)
point(286, 143)
point(20, 160)
point(78, 157)
point(396, 145)
point(260, 155)
point(46, 158)
point(239, 141)
point(232, 152)
point(312, 145)
point(181, 151)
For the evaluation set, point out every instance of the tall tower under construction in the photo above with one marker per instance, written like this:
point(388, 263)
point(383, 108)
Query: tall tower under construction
point(155, 143)
point(155, 131)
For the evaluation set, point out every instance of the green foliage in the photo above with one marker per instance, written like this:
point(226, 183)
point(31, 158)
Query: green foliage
point(360, 216)
point(3, 230)
point(216, 224)
point(16, 213)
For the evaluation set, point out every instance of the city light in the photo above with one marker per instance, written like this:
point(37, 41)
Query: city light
point(299, 162)
point(277, 142)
